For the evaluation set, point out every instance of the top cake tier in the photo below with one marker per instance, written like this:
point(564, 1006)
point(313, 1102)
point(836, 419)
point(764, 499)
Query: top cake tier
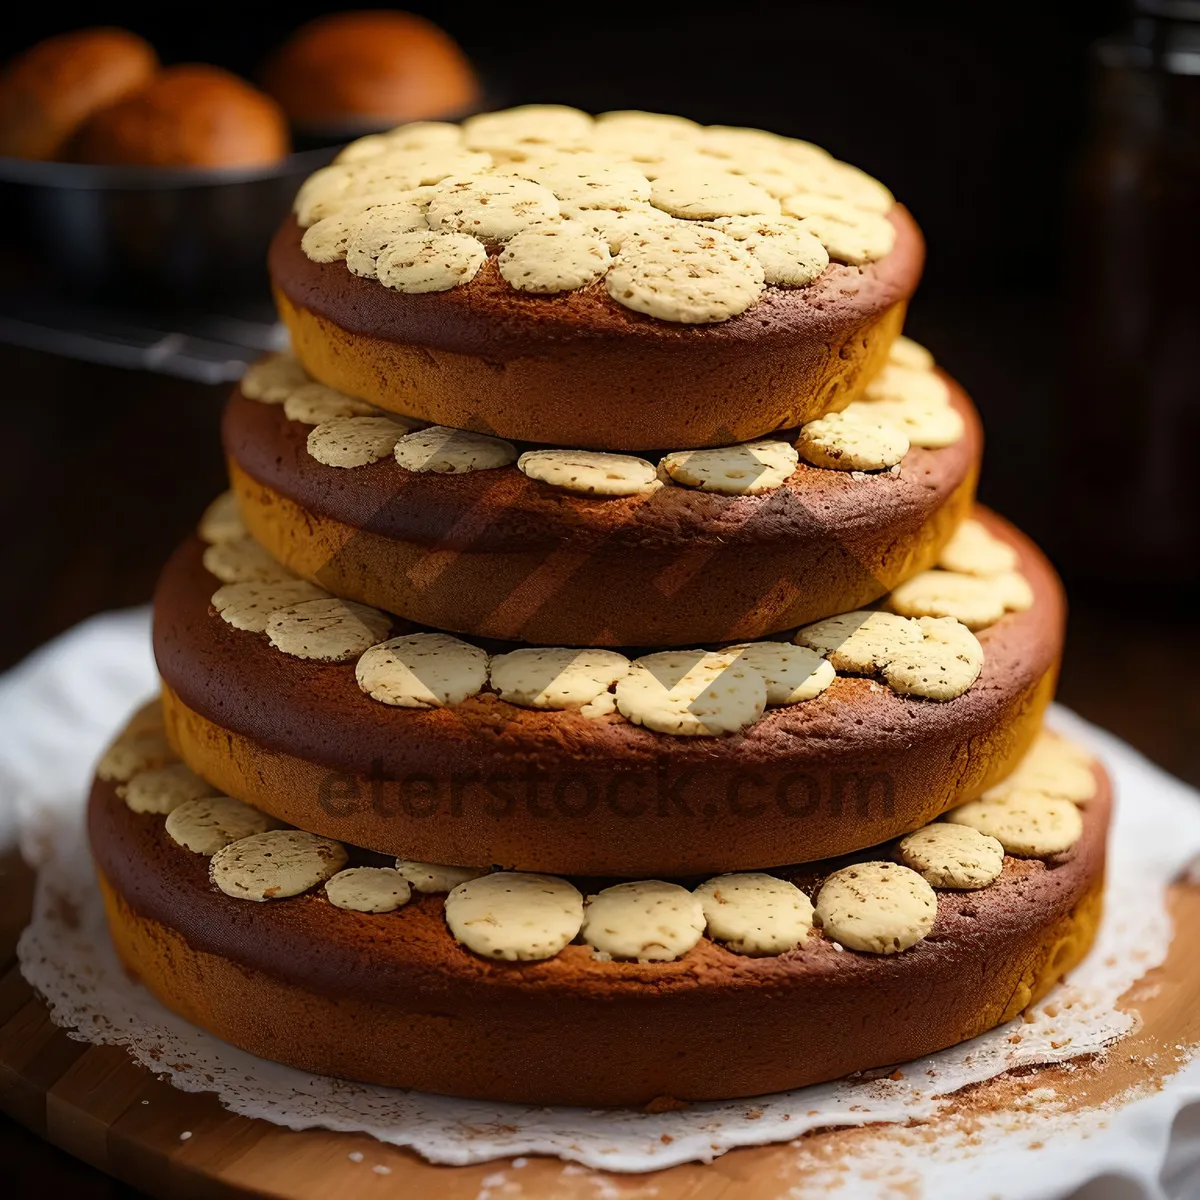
point(627, 282)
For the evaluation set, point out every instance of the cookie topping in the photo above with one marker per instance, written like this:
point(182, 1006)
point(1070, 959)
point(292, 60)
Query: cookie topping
point(650, 921)
point(755, 914)
point(952, 856)
point(275, 864)
point(328, 630)
point(163, 789)
point(249, 605)
point(205, 825)
point(846, 441)
point(692, 693)
point(745, 470)
point(556, 678)
point(876, 907)
point(1027, 824)
point(590, 472)
point(452, 451)
point(514, 916)
point(422, 670)
point(368, 889)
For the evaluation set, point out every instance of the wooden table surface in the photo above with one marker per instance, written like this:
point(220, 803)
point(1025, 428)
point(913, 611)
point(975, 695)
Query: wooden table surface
point(100, 484)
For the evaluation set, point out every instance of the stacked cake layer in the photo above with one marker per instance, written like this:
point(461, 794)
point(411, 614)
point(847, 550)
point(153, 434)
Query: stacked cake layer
point(662, 722)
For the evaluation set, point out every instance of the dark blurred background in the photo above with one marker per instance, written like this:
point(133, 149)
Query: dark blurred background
point(1051, 154)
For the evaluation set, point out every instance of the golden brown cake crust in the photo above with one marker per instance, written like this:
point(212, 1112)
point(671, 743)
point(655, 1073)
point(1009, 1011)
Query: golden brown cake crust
point(496, 554)
point(487, 782)
point(579, 369)
point(392, 999)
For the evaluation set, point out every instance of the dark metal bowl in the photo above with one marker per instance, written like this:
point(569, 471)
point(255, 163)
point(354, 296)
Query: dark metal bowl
point(177, 233)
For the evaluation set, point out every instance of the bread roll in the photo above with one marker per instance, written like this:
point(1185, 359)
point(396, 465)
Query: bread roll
point(364, 69)
point(189, 116)
point(50, 90)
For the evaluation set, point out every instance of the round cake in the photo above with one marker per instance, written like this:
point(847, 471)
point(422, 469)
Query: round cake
point(578, 791)
point(482, 537)
point(631, 282)
point(598, 686)
point(391, 997)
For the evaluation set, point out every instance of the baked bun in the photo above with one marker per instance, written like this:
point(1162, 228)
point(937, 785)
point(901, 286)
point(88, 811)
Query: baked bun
point(50, 90)
point(370, 68)
point(189, 116)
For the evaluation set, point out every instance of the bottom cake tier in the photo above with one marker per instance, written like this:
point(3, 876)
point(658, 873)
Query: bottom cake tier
point(400, 997)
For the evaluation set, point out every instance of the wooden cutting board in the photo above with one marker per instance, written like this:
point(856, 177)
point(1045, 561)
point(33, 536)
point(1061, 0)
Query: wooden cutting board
point(98, 1104)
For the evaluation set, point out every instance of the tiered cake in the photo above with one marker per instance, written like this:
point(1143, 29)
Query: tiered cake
point(598, 687)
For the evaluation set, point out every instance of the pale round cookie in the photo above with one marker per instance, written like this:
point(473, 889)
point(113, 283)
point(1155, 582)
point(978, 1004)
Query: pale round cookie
point(315, 403)
point(354, 441)
point(135, 751)
point(350, 209)
point(431, 878)
point(514, 916)
point(692, 693)
point(693, 275)
point(492, 208)
point(249, 606)
point(221, 521)
point(416, 135)
point(327, 630)
point(376, 230)
point(422, 670)
point(855, 237)
point(905, 352)
point(1052, 766)
point(876, 907)
point(203, 826)
point(860, 642)
point(243, 560)
point(936, 658)
point(452, 451)
point(700, 194)
point(911, 384)
point(792, 673)
point(755, 914)
point(1027, 824)
point(928, 424)
point(746, 470)
point(555, 258)
point(162, 789)
point(396, 173)
point(852, 442)
point(789, 254)
point(616, 227)
point(975, 600)
point(276, 864)
point(555, 678)
point(973, 550)
point(942, 667)
point(328, 236)
point(832, 180)
point(590, 472)
point(587, 181)
point(274, 378)
point(429, 262)
point(650, 921)
point(528, 127)
point(952, 856)
point(368, 889)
